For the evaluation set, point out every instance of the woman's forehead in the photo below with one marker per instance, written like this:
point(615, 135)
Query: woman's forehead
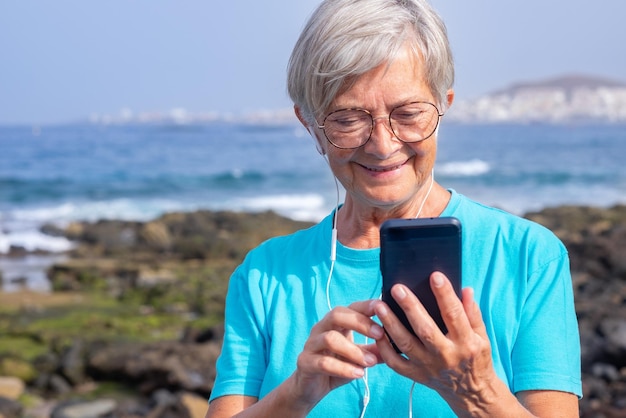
point(391, 83)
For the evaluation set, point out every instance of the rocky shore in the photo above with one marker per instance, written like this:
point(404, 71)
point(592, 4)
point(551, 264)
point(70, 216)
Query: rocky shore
point(133, 324)
point(596, 241)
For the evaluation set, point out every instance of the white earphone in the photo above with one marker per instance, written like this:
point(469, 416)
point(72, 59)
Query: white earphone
point(318, 146)
point(333, 257)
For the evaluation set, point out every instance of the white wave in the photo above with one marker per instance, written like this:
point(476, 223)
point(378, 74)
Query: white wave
point(33, 240)
point(469, 168)
point(21, 226)
point(122, 209)
point(125, 209)
point(5, 244)
point(43, 214)
point(305, 207)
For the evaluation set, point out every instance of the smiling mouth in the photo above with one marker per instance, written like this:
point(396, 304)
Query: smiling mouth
point(383, 169)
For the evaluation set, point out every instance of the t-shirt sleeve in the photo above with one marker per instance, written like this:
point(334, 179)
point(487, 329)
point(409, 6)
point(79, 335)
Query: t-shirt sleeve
point(548, 316)
point(242, 362)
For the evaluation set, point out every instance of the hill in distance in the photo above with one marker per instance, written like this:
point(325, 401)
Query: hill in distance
point(566, 99)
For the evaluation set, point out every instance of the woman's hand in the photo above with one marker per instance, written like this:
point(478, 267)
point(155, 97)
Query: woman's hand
point(330, 357)
point(458, 365)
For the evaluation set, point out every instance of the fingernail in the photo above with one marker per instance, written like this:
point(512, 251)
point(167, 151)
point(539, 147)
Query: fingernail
point(381, 310)
point(438, 280)
point(357, 372)
point(370, 359)
point(376, 331)
point(400, 293)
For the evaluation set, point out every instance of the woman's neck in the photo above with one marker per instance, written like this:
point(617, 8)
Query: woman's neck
point(358, 225)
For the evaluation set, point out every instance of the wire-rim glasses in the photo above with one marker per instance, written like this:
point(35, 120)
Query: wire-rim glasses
point(352, 128)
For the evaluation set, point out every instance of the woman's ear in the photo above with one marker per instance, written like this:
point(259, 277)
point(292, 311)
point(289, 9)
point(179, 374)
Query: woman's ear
point(450, 97)
point(309, 128)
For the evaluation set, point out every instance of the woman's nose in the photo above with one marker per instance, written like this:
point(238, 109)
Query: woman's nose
point(383, 141)
point(384, 121)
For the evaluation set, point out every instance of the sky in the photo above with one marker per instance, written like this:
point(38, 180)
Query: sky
point(65, 60)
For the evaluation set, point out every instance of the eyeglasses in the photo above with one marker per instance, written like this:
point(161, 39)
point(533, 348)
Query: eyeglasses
point(352, 128)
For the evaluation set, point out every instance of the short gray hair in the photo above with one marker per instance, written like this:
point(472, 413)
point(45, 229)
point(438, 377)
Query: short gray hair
point(344, 39)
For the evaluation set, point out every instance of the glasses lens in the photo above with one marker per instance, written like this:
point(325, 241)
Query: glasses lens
point(348, 128)
point(414, 122)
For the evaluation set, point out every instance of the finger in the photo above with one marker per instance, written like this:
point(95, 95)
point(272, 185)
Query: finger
point(329, 365)
point(372, 330)
point(451, 307)
point(395, 329)
point(472, 310)
point(419, 318)
point(341, 345)
point(366, 307)
point(374, 350)
point(356, 317)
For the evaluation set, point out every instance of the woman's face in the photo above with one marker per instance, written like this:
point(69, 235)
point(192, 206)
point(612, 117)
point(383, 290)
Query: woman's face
point(385, 172)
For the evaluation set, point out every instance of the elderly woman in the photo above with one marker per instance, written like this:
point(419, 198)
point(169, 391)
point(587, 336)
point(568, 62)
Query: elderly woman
point(370, 80)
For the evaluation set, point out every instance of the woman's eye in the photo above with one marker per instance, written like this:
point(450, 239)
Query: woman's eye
point(350, 120)
point(347, 122)
point(407, 115)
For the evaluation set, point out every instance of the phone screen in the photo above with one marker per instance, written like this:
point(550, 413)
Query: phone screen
point(411, 250)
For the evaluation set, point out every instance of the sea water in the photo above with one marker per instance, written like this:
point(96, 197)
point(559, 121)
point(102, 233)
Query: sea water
point(59, 174)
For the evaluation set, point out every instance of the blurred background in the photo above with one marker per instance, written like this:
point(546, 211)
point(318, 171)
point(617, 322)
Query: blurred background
point(71, 60)
point(126, 126)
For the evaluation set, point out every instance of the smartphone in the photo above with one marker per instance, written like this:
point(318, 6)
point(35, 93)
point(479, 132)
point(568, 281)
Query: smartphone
point(410, 251)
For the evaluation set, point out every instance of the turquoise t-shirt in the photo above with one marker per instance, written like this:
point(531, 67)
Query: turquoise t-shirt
point(520, 274)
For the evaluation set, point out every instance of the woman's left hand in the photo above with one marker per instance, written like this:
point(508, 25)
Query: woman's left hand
point(458, 365)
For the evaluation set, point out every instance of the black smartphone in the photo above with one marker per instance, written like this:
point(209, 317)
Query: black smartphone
point(410, 251)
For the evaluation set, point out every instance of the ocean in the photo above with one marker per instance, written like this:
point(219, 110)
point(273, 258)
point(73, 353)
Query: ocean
point(58, 174)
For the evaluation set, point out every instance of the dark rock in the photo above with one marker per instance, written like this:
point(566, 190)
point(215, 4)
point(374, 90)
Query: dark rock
point(47, 363)
point(52, 230)
point(163, 397)
point(102, 273)
point(132, 408)
point(72, 363)
point(191, 335)
point(193, 235)
point(614, 331)
point(608, 372)
point(17, 251)
point(156, 236)
point(84, 409)
point(596, 241)
point(162, 365)
point(10, 408)
point(20, 281)
point(112, 236)
point(176, 410)
point(57, 385)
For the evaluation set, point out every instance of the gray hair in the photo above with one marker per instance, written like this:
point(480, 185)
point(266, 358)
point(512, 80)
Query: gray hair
point(344, 39)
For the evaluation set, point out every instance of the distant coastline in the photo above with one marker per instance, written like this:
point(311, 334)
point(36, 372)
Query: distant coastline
point(567, 99)
point(571, 99)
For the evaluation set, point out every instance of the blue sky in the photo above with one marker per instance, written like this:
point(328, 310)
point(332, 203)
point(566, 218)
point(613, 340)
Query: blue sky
point(63, 60)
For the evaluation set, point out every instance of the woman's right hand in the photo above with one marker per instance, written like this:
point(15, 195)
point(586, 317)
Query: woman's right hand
point(330, 357)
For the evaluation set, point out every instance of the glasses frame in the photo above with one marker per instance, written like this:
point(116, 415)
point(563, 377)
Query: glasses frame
point(439, 116)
